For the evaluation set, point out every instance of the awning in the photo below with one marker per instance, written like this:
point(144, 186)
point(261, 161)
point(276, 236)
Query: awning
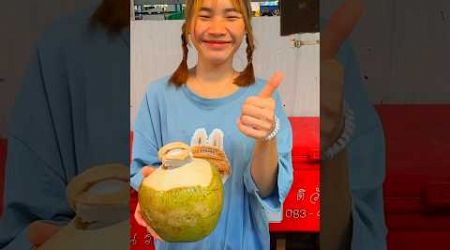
point(141, 2)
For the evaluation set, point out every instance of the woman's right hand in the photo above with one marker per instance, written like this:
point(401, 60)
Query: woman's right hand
point(146, 171)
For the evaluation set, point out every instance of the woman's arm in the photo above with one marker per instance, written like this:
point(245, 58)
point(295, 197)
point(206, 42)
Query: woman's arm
point(264, 166)
point(258, 120)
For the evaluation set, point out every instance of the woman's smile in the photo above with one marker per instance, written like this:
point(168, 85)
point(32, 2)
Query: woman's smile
point(216, 44)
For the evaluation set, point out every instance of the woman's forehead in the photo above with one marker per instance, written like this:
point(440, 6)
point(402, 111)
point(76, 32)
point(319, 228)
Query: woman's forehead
point(222, 3)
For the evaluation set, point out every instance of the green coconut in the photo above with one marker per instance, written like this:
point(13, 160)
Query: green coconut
point(182, 204)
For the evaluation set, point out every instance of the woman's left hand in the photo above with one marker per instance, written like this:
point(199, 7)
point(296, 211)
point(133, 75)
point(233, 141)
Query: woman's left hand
point(257, 118)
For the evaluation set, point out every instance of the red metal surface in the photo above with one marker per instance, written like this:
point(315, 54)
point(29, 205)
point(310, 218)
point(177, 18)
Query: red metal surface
point(140, 239)
point(301, 209)
point(417, 148)
point(417, 185)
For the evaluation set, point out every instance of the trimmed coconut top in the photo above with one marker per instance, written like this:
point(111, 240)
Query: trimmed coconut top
point(100, 185)
point(196, 173)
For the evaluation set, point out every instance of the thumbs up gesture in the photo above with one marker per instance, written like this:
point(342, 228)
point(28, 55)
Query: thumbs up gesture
point(339, 27)
point(257, 118)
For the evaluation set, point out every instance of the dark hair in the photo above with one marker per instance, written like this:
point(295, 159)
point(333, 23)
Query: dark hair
point(113, 15)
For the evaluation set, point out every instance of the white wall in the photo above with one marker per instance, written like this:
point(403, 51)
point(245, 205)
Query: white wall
point(421, 54)
point(156, 52)
point(403, 47)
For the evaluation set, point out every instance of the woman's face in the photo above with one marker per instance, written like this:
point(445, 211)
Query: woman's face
point(217, 32)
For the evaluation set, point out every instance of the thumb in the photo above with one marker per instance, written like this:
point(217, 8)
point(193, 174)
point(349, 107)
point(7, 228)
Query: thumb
point(39, 232)
point(271, 85)
point(147, 170)
point(340, 25)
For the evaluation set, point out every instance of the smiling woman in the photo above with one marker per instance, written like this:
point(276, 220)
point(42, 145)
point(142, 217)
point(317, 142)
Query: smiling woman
point(245, 113)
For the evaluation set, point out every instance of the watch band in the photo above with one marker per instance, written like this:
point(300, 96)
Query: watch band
point(344, 139)
point(274, 131)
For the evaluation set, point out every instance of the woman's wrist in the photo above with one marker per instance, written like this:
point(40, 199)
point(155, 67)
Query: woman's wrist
point(275, 130)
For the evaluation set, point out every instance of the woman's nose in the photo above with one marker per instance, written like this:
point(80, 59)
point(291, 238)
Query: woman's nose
point(217, 27)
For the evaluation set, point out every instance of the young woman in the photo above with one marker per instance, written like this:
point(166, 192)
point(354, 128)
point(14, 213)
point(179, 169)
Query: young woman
point(214, 96)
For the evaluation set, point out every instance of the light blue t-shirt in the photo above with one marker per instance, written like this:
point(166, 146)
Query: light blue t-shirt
point(169, 114)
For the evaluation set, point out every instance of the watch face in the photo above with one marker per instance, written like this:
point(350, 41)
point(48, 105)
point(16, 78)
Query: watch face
point(299, 16)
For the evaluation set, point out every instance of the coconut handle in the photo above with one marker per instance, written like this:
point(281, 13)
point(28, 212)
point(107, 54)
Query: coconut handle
point(167, 155)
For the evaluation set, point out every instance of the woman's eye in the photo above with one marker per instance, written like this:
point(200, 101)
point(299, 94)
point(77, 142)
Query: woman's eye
point(233, 17)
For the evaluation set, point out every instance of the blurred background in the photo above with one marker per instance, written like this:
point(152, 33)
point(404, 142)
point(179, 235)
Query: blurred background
point(30, 19)
point(402, 48)
point(174, 9)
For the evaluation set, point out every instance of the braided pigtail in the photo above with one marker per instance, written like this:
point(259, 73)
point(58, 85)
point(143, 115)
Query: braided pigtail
point(181, 74)
point(247, 76)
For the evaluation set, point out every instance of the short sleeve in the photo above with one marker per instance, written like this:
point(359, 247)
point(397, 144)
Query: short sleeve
point(273, 203)
point(146, 139)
